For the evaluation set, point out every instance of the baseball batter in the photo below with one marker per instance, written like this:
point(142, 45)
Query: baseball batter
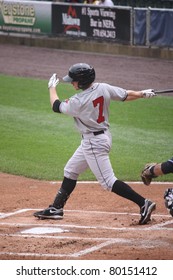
point(90, 110)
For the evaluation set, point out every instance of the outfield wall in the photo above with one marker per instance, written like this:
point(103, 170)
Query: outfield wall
point(121, 30)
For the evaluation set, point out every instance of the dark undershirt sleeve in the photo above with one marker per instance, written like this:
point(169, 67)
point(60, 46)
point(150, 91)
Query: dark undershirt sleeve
point(56, 106)
point(167, 167)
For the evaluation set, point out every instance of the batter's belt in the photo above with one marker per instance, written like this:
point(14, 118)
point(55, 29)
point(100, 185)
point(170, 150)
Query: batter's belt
point(95, 133)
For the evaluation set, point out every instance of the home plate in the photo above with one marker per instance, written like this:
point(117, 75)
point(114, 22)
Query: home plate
point(43, 230)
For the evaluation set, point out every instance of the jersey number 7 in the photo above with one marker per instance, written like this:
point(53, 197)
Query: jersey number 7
point(99, 102)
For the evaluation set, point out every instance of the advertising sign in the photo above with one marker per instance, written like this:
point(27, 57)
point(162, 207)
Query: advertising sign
point(25, 17)
point(96, 22)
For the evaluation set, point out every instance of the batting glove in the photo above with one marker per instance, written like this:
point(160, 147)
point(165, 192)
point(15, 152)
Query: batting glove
point(53, 81)
point(147, 93)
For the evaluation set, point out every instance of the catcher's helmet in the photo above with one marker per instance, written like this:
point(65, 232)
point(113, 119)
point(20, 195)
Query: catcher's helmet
point(82, 73)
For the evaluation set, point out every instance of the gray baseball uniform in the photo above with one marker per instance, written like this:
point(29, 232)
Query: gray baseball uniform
point(90, 110)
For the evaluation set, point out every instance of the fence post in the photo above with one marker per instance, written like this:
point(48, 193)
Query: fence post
point(148, 24)
point(132, 27)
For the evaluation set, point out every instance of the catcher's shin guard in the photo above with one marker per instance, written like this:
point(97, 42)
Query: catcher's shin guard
point(168, 196)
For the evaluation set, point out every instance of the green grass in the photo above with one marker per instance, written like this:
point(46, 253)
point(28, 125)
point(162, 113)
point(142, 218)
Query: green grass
point(36, 143)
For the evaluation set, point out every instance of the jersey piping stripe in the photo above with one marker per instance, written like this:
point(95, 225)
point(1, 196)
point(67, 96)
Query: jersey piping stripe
point(98, 164)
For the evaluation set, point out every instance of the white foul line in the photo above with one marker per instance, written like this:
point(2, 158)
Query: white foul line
point(92, 249)
point(107, 241)
point(127, 182)
point(5, 215)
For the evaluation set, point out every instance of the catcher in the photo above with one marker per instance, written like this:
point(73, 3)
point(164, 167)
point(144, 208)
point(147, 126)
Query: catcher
point(153, 170)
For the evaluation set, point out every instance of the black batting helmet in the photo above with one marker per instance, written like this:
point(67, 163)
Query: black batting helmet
point(82, 73)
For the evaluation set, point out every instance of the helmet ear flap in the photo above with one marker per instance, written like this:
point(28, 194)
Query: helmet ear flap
point(87, 79)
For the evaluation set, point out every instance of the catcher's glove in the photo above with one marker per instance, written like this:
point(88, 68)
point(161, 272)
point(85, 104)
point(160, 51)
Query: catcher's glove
point(147, 175)
point(168, 196)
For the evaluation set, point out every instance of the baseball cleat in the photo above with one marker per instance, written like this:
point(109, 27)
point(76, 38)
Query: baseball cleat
point(50, 213)
point(146, 211)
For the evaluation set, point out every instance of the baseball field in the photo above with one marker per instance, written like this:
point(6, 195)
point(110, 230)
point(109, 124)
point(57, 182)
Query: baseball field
point(35, 144)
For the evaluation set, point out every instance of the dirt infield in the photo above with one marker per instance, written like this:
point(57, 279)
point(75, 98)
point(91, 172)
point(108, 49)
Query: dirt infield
point(97, 224)
point(129, 72)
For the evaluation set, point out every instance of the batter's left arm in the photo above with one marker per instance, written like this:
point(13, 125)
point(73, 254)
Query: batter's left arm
point(133, 95)
point(53, 95)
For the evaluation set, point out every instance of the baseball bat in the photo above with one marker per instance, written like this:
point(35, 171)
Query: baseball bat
point(163, 91)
